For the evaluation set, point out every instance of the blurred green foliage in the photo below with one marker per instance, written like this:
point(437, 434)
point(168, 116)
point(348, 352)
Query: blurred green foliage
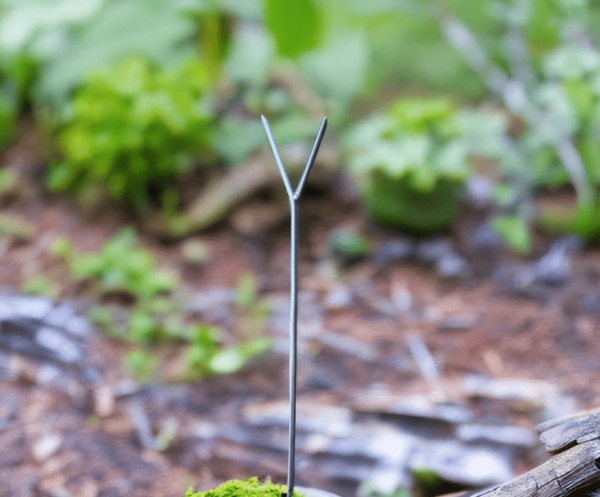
point(130, 88)
point(295, 26)
point(120, 266)
point(348, 245)
point(153, 316)
point(414, 159)
point(132, 129)
point(7, 122)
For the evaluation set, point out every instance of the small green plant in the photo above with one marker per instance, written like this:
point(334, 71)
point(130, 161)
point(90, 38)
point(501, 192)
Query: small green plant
point(206, 355)
point(40, 285)
point(131, 129)
point(347, 245)
point(120, 266)
point(551, 88)
point(241, 488)
point(141, 364)
point(152, 315)
point(414, 163)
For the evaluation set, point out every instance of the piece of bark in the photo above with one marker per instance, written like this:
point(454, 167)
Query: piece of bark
point(563, 433)
point(565, 474)
point(574, 470)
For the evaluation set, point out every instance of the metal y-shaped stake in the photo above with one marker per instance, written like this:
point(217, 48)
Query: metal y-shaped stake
point(294, 197)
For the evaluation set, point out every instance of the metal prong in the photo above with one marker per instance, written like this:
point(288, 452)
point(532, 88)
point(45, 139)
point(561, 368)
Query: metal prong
point(294, 198)
point(311, 159)
point(282, 171)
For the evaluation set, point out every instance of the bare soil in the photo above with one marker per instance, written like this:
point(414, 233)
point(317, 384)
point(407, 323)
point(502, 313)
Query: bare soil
point(475, 325)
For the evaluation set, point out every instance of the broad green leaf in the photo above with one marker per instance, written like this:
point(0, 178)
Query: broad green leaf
point(451, 160)
point(154, 29)
point(250, 56)
point(24, 20)
point(514, 231)
point(338, 69)
point(227, 361)
point(484, 132)
point(571, 62)
point(294, 24)
point(235, 139)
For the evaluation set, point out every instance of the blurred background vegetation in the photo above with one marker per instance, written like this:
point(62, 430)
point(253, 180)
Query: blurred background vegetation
point(134, 94)
point(424, 97)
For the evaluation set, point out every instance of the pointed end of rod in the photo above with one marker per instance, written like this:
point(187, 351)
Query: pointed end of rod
point(322, 129)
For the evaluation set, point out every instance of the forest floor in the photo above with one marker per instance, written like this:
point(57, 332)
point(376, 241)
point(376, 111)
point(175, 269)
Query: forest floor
point(398, 325)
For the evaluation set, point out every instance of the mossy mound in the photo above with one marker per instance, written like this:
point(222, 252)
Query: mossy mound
point(241, 488)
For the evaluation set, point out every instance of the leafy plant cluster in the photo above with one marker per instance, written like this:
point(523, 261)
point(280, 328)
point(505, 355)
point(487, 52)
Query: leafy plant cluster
point(555, 98)
point(132, 129)
point(414, 162)
point(130, 89)
point(537, 61)
point(153, 316)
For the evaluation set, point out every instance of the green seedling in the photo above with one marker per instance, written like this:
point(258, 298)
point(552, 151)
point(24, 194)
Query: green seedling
point(141, 364)
point(348, 246)
point(206, 355)
point(120, 266)
point(153, 316)
point(40, 285)
point(514, 231)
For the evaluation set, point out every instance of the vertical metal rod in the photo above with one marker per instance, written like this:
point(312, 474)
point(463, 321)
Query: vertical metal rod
point(294, 197)
point(293, 343)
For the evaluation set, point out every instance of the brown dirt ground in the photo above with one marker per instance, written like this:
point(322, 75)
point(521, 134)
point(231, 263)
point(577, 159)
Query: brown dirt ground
point(511, 336)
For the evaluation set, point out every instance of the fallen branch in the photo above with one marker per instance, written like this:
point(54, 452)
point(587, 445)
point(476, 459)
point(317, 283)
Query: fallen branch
point(574, 443)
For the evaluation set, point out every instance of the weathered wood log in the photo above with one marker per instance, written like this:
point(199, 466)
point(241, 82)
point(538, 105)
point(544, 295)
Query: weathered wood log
point(574, 469)
point(563, 433)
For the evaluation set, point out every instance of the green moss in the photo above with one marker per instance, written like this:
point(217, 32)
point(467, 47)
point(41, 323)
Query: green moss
point(241, 488)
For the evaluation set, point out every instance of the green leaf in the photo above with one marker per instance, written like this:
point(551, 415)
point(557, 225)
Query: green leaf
point(347, 245)
point(133, 128)
point(39, 25)
point(294, 24)
point(571, 62)
point(235, 139)
point(142, 327)
point(154, 29)
point(141, 364)
point(227, 361)
point(451, 160)
point(250, 56)
point(246, 291)
point(338, 70)
point(514, 231)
